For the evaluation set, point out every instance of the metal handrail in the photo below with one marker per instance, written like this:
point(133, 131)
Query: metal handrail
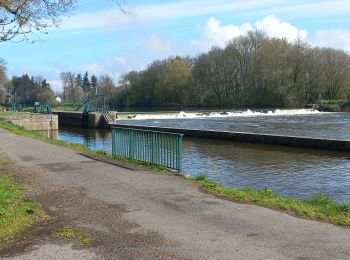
point(159, 148)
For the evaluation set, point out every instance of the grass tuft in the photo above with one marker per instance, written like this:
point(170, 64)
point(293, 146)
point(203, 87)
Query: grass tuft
point(200, 177)
point(72, 233)
point(17, 213)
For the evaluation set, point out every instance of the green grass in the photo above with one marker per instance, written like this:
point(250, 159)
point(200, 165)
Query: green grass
point(17, 213)
point(10, 113)
point(334, 105)
point(318, 207)
point(65, 108)
point(72, 233)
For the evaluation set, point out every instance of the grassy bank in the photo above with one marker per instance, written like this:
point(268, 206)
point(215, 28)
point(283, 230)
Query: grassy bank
point(334, 105)
point(317, 208)
point(17, 213)
point(10, 113)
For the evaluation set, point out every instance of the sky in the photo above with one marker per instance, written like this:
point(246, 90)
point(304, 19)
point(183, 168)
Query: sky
point(97, 37)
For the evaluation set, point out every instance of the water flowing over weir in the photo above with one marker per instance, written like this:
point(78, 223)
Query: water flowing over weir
point(221, 114)
point(302, 122)
point(289, 171)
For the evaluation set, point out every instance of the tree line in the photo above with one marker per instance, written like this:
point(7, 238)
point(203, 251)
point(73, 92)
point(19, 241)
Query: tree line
point(24, 89)
point(251, 71)
point(77, 88)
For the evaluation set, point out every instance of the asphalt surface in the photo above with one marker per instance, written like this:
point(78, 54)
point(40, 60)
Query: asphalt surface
point(138, 214)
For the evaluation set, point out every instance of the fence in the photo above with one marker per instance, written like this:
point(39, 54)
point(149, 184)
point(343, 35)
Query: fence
point(43, 108)
point(88, 107)
point(160, 148)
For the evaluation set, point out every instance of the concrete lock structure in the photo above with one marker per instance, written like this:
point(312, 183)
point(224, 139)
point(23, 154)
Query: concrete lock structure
point(35, 122)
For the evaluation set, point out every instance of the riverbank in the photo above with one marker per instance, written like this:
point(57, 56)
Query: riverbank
point(331, 106)
point(141, 214)
point(318, 207)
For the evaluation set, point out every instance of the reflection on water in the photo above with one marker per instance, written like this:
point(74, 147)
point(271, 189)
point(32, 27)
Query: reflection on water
point(288, 171)
point(95, 139)
point(49, 133)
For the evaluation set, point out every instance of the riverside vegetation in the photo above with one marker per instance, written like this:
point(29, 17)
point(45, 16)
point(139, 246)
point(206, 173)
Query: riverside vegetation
point(318, 207)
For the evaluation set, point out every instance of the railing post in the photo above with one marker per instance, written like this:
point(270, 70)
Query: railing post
point(130, 140)
point(113, 142)
point(152, 147)
point(180, 153)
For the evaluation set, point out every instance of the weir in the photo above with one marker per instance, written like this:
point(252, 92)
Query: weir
point(295, 141)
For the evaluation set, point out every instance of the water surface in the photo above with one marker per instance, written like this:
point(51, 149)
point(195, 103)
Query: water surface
point(292, 172)
point(324, 125)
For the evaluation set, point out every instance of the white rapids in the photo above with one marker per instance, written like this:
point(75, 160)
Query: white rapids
point(247, 113)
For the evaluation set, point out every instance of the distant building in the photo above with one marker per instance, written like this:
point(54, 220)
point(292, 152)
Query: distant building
point(58, 99)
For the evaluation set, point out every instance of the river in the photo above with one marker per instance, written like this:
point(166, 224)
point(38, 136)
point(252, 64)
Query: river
point(292, 172)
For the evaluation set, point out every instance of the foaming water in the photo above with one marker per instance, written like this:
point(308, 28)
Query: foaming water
point(304, 123)
point(224, 114)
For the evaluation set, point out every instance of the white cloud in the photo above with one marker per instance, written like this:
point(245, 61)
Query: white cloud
point(216, 34)
point(158, 45)
point(274, 27)
point(313, 9)
point(140, 14)
point(339, 39)
point(120, 60)
point(93, 68)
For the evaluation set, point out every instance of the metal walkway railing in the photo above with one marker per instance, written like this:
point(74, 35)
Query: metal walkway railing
point(159, 148)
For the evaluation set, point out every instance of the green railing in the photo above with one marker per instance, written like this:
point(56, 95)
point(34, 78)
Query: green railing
point(18, 107)
point(88, 107)
point(159, 148)
point(43, 108)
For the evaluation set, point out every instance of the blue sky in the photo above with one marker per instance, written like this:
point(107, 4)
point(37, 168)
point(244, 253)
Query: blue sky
point(97, 37)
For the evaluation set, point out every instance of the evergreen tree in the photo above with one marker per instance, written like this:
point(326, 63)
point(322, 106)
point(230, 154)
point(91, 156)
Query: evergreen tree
point(78, 81)
point(45, 84)
point(94, 84)
point(93, 81)
point(86, 85)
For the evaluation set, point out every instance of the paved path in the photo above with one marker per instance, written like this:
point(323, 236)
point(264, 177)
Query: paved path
point(171, 217)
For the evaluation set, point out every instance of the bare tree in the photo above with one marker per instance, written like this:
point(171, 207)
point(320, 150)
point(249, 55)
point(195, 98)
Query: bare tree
point(3, 79)
point(68, 80)
point(20, 18)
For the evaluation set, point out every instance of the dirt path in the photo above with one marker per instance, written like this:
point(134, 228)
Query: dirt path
point(137, 214)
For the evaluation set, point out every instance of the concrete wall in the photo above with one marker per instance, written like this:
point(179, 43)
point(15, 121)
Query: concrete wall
point(96, 120)
point(316, 143)
point(71, 118)
point(79, 119)
point(35, 122)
